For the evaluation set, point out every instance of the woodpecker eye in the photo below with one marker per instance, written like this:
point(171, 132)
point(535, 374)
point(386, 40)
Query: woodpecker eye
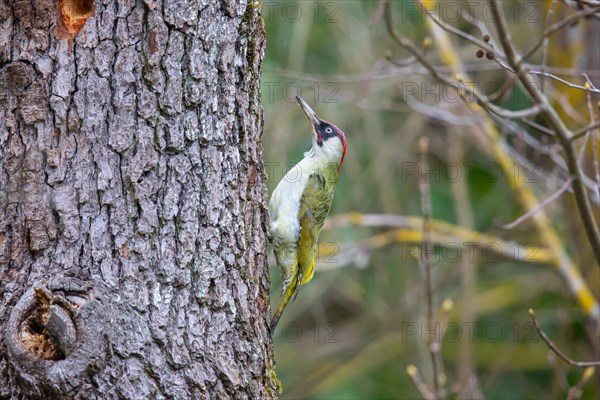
point(327, 130)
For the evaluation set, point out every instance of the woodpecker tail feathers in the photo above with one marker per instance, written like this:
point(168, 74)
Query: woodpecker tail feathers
point(290, 293)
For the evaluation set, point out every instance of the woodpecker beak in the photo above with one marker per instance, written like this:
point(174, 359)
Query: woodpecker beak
point(312, 116)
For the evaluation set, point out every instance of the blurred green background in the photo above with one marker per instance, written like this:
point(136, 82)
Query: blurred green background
point(351, 332)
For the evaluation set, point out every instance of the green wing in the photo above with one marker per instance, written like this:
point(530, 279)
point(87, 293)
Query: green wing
point(314, 207)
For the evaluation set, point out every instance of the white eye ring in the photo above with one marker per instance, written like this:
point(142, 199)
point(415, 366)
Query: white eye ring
point(328, 130)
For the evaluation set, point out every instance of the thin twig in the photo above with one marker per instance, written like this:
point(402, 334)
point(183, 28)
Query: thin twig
point(439, 113)
point(469, 17)
point(555, 349)
point(543, 204)
point(588, 80)
point(583, 147)
point(468, 382)
point(581, 132)
point(546, 41)
point(336, 256)
point(409, 230)
point(434, 344)
point(594, 142)
point(501, 151)
point(519, 114)
point(467, 92)
point(558, 160)
point(508, 83)
point(596, 164)
point(569, 84)
point(415, 377)
point(589, 3)
point(402, 63)
point(558, 26)
point(576, 391)
point(564, 135)
point(449, 28)
point(561, 99)
point(414, 70)
point(560, 377)
point(537, 126)
point(377, 14)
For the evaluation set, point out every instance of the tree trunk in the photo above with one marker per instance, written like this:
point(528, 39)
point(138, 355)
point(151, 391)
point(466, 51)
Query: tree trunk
point(132, 244)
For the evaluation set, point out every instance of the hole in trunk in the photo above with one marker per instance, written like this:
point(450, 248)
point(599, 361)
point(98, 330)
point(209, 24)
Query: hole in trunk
point(36, 339)
point(73, 15)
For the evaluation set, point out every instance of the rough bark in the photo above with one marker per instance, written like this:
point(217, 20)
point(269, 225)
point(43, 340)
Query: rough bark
point(131, 192)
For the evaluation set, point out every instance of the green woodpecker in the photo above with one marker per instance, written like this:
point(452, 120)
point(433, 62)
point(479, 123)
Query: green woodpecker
point(300, 204)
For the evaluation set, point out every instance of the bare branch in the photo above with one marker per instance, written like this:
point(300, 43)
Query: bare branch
point(434, 344)
point(508, 83)
point(449, 28)
point(519, 114)
point(558, 26)
point(416, 70)
point(569, 84)
point(590, 3)
point(377, 14)
point(414, 376)
point(537, 126)
point(558, 160)
point(594, 142)
point(440, 114)
point(576, 391)
point(409, 230)
point(564, 135)
point(410, 46)
point(588, 80)
point(460, 87)
point(402, 63)
point(555, 349)
point(541, 206)
point(562, 100)
point(549, 16)
point(581, 132)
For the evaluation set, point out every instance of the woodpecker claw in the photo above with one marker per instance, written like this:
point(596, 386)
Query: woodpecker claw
point(274, 322)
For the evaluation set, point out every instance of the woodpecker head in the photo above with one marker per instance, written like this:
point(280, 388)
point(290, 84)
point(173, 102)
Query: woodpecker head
point(328, 139)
